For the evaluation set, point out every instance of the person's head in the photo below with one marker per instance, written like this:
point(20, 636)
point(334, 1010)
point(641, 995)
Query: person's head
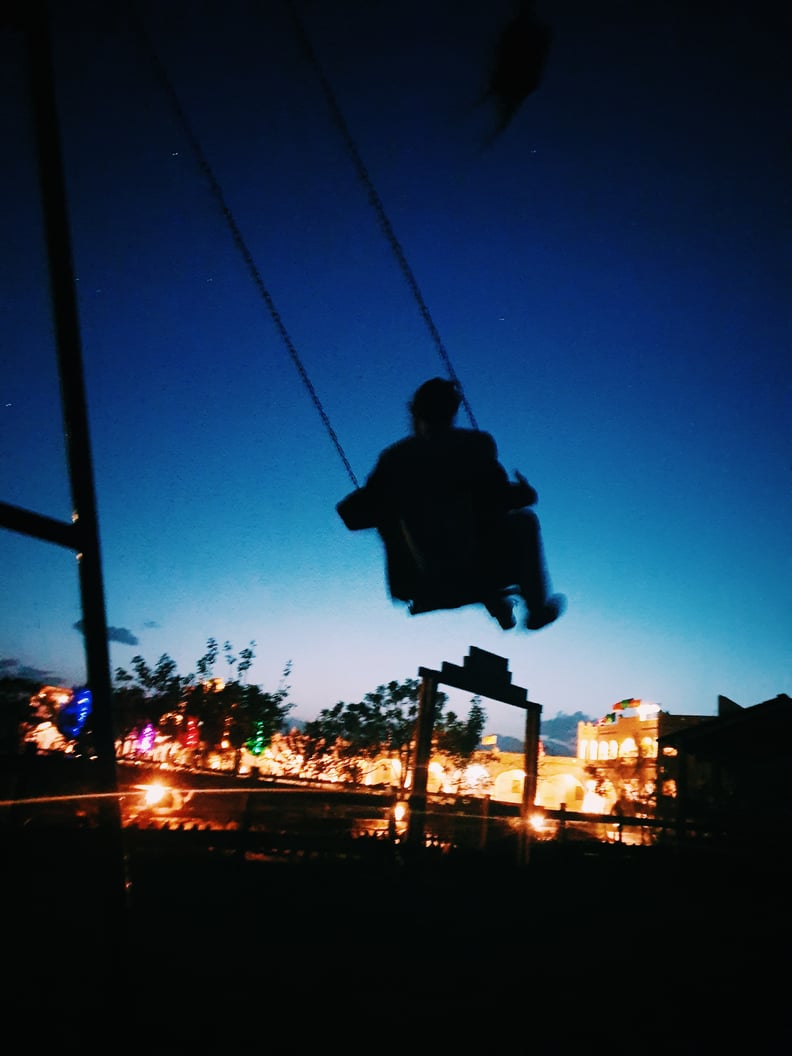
point(435, 404)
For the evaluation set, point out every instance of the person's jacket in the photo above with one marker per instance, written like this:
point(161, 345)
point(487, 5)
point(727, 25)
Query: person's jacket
point(437, 501)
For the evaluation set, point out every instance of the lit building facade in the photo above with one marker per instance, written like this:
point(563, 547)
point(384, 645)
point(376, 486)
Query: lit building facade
point(620, 754)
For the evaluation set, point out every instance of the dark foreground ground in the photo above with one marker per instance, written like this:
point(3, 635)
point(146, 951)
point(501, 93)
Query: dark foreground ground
point(633, 950)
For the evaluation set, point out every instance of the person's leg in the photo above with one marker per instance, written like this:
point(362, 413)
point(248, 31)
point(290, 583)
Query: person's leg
point(501, 608)
point(523, 541)
point(527, 561)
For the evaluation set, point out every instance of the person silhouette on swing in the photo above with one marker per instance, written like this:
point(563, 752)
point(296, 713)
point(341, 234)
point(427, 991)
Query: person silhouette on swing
point(456, 530)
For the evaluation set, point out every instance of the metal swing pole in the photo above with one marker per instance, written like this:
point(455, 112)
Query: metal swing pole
point(90, 866)
point(84, 530)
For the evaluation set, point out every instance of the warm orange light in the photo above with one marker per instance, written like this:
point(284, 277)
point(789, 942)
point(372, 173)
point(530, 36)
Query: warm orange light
point(53, 695)
point(154, 793)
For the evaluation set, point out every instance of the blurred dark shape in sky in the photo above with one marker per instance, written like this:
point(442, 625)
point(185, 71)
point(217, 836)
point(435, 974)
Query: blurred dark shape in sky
point(114, 634)
point(518, 63)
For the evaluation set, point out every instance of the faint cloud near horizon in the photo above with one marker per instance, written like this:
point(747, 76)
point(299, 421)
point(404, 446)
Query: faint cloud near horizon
point(10, 667)
point(114, 634)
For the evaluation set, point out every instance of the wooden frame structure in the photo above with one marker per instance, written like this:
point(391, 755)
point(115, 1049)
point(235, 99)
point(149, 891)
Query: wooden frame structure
point(486, 675)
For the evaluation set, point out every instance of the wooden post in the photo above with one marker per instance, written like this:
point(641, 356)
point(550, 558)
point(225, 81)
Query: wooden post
point(484, 836)
point(416, 822)
point(533, 712)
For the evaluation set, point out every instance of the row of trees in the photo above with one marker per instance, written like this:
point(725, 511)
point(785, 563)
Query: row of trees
point(383, 724)
point(220, 711)
point(235, 714)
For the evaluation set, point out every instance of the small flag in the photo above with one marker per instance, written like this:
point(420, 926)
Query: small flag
point(491, 738)
point(630, 702)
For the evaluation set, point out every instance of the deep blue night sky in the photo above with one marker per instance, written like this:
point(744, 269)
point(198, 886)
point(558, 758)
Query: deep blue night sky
point(609, 276)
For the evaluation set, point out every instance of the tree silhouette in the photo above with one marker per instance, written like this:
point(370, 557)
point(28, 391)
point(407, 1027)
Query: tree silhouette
point(350, 738)
point(232, 713)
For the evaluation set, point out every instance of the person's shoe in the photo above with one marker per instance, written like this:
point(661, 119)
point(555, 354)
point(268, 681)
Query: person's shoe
point(554, 607)
point(502, 609)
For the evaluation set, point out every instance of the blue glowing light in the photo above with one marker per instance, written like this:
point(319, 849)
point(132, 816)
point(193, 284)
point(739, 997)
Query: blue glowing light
point(73, 716)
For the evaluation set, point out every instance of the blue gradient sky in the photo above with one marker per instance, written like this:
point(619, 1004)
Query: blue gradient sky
point(610, 279)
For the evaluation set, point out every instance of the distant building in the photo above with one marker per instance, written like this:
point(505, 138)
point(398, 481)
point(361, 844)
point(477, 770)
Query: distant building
point(620, 752)
point(631, 728)
point(560, 780)
point(727, 779)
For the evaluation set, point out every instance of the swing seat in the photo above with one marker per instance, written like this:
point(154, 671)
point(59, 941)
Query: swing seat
point(458, 576)
point(498, 603)
point(438, 562)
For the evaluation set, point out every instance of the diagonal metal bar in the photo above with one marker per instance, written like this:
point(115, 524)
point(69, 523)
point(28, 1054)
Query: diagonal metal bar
point(38, 525)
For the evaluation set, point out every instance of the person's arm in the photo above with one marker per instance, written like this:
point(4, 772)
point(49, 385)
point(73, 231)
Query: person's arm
point(513, 494)
point(363, 508)
point(521, 493)
point(357, 511)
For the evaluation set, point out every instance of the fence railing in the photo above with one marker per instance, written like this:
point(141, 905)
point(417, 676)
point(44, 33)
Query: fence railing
point(321, 817)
